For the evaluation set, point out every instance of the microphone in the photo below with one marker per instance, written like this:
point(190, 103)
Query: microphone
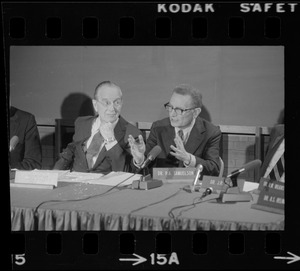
point(13, 142)
point(151, 156)
point(248, 166)
point(199, 169)
point(207, 192)
point(146, 182)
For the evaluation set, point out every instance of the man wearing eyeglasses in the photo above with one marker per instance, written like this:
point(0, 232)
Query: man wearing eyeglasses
point(100, 143)
point(185, 138)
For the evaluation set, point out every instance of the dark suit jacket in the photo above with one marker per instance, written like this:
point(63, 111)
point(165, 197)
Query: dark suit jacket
point(203, 143)
point(276, 138)
point(28, 152)
point(118, 158)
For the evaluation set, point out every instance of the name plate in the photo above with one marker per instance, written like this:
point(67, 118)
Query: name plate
point(36, 177)
point(271, 196)
point(174, 173)
point(219, 183)
point(216, 183)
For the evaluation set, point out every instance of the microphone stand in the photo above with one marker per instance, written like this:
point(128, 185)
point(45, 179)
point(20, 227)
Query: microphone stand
point(234, 194)
point(144, 177)
point(234, 181)
point(145, 182)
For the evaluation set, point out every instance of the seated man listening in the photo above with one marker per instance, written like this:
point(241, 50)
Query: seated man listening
point(25, 145)
point(185, 138)
point(100, 143)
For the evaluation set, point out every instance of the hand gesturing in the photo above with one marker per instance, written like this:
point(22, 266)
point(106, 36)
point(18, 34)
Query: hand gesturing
point(138, 148)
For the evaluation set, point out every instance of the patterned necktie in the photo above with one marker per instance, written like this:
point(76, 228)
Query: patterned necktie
point(93, 149)
point(180, 134)
point(278, 169)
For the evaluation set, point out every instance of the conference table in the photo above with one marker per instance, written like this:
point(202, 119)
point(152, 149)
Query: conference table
point(93, 207)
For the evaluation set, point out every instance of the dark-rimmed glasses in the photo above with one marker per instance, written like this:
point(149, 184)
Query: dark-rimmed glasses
point(178, 111)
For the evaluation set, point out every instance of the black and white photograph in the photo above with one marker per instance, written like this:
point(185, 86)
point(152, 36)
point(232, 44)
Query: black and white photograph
point(151, 135)
point(146, 138)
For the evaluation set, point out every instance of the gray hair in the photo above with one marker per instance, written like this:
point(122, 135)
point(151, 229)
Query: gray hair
point(194, 93)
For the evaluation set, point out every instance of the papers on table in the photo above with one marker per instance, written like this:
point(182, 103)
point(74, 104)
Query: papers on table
point(52, 177)
point(113, 178)
point(78, 177)
point(117, 178)
point(38, 177)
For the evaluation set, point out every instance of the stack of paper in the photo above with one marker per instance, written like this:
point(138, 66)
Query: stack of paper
point(113, 178)
point(51, 177)
point(36, 178)
point(117, 178)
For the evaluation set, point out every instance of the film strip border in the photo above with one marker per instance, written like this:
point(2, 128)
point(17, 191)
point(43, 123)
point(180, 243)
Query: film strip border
point(159, 24)
point(152, 250)
point(149, 23)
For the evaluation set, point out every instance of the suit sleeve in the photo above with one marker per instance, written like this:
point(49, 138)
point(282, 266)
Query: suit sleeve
point(152, 139)
point(150, 144)
point(66, 158)
point(210, 158)
point(32, 148)
point(78, 130)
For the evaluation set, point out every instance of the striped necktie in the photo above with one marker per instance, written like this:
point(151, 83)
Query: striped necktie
point(180, 134)
point(93, 149)
point(278, 170)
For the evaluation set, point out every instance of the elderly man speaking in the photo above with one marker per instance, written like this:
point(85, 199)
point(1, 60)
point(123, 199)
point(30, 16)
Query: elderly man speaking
point(184, 137)
point(100, 143)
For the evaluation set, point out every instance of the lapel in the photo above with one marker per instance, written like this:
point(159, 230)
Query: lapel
point(195, 137)
point(80, 145)
point(100, 157)
point(119, 132)
point(120, 129)
point(168, 137)
point(85, 130)
point(193, 142)
point(14, 122)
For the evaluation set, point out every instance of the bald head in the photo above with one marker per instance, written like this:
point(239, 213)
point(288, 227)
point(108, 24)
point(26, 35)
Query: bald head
point(107, 88)
point(108, 101)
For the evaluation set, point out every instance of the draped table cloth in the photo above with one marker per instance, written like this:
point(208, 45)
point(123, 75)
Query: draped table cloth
point(89, 207)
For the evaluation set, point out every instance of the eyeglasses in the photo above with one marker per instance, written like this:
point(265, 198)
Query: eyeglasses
point(178, 111)
point(107, 103)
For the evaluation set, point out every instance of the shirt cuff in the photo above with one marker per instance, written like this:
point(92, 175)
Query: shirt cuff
point(192, 162)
